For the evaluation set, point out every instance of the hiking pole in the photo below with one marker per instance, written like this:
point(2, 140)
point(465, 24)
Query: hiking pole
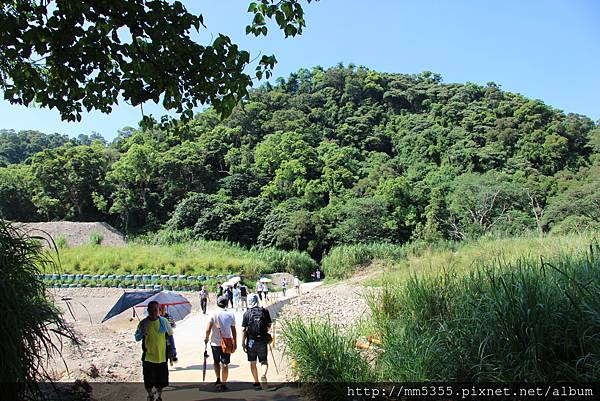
point(273, 356)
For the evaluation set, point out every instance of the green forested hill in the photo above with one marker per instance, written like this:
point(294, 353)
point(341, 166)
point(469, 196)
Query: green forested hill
point(325, 157)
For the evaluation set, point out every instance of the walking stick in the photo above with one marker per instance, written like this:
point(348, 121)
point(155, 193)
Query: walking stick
point(271, 348)
point(273, 356)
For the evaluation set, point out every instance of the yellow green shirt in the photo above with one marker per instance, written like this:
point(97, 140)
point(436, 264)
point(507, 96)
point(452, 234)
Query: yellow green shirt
point(155, 342)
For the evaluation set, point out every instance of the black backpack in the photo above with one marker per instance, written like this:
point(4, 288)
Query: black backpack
point(243, 291)
point(257, 327)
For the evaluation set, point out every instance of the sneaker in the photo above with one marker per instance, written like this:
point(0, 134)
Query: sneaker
point(263, 382)
point(255, 384)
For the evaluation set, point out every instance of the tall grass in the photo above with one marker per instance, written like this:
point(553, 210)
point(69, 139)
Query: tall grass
point(32, 327)
point(343, 261)
point(192, 258)
point(529, 319)
point(462, 257)
point(324, 358)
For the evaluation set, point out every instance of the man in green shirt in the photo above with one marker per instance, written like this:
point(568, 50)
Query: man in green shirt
point(152, 331)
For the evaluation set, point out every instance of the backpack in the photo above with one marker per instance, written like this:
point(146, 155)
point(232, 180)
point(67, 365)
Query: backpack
point(243, 291)
point(256, 325)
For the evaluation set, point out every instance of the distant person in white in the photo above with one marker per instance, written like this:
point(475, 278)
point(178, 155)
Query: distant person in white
point(297, 284)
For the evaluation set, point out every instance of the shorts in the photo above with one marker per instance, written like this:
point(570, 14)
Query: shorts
point(257, 349)
point(155, 374)
point(219, 356)
point(244, 299)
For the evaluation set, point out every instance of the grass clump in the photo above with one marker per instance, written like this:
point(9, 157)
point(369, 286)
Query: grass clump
point(95, 238)
point(32, 325)
point(324, 358)
point(61, 242)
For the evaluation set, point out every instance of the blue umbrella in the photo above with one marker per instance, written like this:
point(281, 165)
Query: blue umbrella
point(177, 305)
point(128, 300)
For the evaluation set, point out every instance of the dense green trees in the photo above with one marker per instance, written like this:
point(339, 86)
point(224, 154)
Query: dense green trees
point(343, 155)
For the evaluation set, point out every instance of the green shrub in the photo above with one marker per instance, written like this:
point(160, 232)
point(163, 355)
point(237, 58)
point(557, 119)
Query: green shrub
point(95, 238)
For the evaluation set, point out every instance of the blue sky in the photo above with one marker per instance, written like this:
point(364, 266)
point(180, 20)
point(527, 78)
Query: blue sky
point(543, 49)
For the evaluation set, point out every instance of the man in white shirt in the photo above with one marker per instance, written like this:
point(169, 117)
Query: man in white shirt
point(259, 289)
point(297, 284)
point(222, 325)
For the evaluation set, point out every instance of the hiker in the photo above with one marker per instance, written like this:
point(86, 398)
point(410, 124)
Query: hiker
point(203, 299)
point(222, 327)
point(171, 350)
point(284, 285)
point(297, 284)
point(259, 289)
point(219, 289)
point(229, 295)
point(256, 339)
point(236, 296)
point(265, 287)
point(243, 295)
point(153, 331)
point(318, 274)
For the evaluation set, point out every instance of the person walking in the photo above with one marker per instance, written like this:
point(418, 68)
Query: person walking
point(236, 297)
point(284, 285)
point(223, 341)
point(153, 331)
point(259, 289)
point(203, 299)
point(229, 295)
point(256, 324)
point(265, 287)
point(243, 295)
point(297, 284)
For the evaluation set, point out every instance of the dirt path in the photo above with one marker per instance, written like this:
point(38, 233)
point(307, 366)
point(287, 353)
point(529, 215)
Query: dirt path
point(110, 347)
point(189, 338)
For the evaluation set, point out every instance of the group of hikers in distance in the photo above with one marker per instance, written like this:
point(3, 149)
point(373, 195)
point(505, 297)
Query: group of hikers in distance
point(158, 345)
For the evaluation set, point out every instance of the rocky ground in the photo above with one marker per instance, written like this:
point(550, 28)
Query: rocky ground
point(108, 351)
point(343, 303)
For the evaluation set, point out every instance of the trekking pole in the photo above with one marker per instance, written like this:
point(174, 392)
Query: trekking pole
point(273, 356)
point(271, 348)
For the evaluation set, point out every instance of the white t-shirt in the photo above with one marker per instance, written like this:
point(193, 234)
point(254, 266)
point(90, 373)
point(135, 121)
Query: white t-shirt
point(223, 319)
point(296, 282)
